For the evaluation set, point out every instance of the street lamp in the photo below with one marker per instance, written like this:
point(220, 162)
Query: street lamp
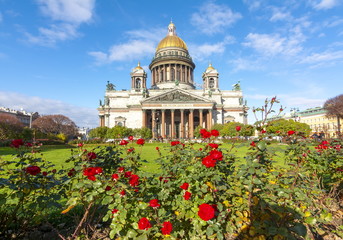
point(294, 113)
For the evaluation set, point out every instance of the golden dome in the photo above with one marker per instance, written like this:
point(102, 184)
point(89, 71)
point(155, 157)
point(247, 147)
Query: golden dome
point(172, 41)
point(210, 67)
point(138, 66)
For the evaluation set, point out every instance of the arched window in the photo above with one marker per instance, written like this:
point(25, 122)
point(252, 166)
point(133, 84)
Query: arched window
point(161, 76)
point(138, 83)
point(172, 73)
point(211, 83)
point(178, 73)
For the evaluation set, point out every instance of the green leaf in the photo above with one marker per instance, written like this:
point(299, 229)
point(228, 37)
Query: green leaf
point(300, 229)
point(209, 231)
point(107, 200)
point(113, 233)
point(310, 220)
point(142, 237)
point(131, 233)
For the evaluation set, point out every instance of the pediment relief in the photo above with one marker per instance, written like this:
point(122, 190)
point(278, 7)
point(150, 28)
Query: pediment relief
point(175, 96)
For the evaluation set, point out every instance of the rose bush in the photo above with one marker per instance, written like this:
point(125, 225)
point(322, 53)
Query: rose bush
point(199, 193)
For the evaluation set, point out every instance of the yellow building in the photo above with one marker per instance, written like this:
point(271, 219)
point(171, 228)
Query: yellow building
point(318, 121)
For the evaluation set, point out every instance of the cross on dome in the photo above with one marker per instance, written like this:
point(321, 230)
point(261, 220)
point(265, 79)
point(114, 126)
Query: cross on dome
point(172, 29)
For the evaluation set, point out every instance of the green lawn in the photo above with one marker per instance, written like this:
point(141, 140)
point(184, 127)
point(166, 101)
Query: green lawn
point(59, 153)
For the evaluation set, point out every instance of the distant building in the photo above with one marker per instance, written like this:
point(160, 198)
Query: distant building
point(83, 132)
point(314, 117)
point(26, 118)
point(318, 121)
point(172, 107)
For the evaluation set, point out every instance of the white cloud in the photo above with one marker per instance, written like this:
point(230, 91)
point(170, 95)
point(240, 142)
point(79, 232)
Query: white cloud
point(204, 51)
point(326, 56)
point(141, 44)
point(73, 11)
point(213, 18)
point(279, 15)
point(252, 4)
point(324, 4)
point(242, 64)
point(68, 16)
point(49, 36)
point(301, 101)
point(273, 44)
point(83, 117)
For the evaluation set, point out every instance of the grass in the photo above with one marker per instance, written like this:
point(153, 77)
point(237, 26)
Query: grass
point(57, 154)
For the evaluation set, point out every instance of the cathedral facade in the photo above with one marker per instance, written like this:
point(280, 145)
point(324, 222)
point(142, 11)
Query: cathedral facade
point(172, 107)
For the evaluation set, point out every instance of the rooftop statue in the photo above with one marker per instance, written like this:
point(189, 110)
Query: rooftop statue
point(110, 86)
point(236, 86)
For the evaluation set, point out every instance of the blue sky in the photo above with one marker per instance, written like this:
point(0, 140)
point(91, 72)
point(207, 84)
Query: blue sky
point(57, 55)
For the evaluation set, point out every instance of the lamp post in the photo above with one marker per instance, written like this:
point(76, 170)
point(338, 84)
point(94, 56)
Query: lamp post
point(294, 113)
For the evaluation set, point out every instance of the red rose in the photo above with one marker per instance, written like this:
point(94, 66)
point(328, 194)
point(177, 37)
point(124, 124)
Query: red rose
point(115, 176)
point(121, 169)
point(134, 180)
point(253, 144)
point(215, 133)
point(291, 133)
point(97, 170)
point(206, 212)
point(114, 211)
point(187, 195)
point(202, 131)
point(71, 172)
point(167, 228)
point(33, 170)
point(130, 150)
point(44, 173)
point(238, 128)
point(91, 155)
point(80, 145)
point(165, 179)
point(157, 148)
point(127, 174)
point(131, 138)
point(17, 143)
point(140, 141)
point(212, 145)
point(173, 143)
point(122, 193)
point(28, 144)
point(154, 203)
point(216, 155)
point(91, 171)
point(144, 224)
point(123, 142)
point(209, 162)
point(184, 186)
point(108, 188)
point(92, 178)
point(263, 131)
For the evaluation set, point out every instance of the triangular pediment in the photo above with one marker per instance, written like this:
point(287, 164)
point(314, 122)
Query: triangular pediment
point(176, 96)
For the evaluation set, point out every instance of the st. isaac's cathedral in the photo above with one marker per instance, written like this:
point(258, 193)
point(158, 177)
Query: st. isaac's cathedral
point(172, 107)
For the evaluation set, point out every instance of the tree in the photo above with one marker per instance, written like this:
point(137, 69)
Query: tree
point(118, 132)
point(282, 126)
point(55, 124)
point(334, 108)
point(98, 132)
point(10, 127)
point(229, 129)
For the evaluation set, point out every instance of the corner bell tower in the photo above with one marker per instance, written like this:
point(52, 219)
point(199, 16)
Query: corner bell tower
point(138, 78)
